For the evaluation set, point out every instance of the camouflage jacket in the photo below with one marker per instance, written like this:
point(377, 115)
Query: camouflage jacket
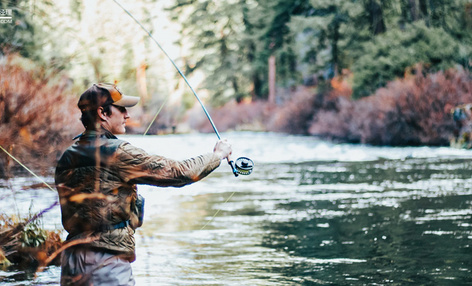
point(96, 179)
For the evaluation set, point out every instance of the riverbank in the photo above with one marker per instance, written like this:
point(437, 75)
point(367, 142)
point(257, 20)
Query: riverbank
point(412, 111)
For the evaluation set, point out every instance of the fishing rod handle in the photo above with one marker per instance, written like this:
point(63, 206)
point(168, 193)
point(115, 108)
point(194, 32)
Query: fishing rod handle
point(233, 167)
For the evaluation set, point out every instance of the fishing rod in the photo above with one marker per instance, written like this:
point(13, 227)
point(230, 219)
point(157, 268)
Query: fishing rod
point(243, 165)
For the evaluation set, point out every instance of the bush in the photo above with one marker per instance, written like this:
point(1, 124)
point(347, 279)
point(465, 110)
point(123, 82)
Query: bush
point(247, 116)
point(295, 115)
point(410, 111)
point(38, 114)
point(24, 243)
point(336, 123)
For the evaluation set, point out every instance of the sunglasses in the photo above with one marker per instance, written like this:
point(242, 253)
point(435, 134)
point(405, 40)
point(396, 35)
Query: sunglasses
point(120, 108)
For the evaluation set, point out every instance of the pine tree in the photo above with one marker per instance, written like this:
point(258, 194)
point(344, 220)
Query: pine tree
point(216, 33)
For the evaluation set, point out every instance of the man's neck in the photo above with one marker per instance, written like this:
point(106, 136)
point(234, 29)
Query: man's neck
point(101, 132)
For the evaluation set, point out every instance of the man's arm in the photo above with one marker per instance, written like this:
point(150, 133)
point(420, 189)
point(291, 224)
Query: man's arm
point(137, 167)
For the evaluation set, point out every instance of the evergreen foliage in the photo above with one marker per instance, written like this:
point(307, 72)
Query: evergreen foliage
point(378, 40)
point(395, 52)
point(218, 28)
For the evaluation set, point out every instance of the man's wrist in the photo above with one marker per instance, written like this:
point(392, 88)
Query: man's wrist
point(219, 154)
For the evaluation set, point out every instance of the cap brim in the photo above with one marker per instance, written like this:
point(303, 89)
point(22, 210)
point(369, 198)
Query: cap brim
point(127, 101)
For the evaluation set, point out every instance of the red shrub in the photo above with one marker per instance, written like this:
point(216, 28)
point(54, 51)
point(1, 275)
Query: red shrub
point(335, 123)
point(410, 111)
point(232, 116)
point(295, 115)
point(38, 115)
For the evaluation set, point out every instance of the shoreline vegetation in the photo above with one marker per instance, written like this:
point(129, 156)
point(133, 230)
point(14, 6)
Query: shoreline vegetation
point(415, 110)
point(24, 243)
point(40, 116)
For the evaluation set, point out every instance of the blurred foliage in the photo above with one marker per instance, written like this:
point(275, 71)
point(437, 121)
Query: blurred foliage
point(25, 243)
point(91, 46)
point(38, 118)
point(221, 40)
point(296, 115)
point(34, 34)
point(413, 110)
point(377, 40)
point(232, 40)
point(18, 36)
point(243, 116)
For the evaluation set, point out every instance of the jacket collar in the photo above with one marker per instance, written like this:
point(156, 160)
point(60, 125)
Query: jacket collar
point(93, 134)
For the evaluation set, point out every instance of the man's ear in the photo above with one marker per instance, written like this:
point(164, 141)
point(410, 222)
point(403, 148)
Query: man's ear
point(101, 113)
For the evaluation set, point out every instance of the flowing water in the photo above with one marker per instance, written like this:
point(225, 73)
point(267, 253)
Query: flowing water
point(312, 213)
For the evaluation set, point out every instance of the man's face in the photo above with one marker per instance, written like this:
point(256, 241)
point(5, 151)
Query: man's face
point(116, 121)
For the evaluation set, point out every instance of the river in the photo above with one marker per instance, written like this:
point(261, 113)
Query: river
point(311, 213)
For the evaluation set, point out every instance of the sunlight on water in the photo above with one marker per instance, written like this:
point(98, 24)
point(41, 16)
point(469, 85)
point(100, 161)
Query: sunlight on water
point(276, 148)
point(312, 212)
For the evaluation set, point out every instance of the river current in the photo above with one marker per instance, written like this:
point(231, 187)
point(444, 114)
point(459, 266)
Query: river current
point(311, 213)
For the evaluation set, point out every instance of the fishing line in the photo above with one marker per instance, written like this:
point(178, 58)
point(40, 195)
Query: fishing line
point(217, 212)
point(36, 216)
point(27, 169)
point(155, 116)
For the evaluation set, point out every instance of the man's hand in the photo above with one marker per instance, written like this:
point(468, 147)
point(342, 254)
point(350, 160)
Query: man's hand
point(223, 149)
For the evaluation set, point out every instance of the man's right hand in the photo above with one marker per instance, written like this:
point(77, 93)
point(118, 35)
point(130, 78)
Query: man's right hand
point(223, 149)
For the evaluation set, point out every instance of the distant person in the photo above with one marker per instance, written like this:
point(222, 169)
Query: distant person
point(96, 179)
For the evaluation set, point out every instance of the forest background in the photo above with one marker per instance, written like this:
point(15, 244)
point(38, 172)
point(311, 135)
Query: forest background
point(382, 72)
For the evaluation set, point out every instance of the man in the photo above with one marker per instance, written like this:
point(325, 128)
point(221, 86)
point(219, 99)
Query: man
point(96, 179)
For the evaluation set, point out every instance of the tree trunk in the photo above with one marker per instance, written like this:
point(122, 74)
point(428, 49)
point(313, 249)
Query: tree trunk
point(413, 10)
point(334, 47)
point(272, 72)
point(257, 87)
point(376, 18)
point(423, 5)
point(141, 81)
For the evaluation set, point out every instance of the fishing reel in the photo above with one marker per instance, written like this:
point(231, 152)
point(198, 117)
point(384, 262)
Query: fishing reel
point(242, 166)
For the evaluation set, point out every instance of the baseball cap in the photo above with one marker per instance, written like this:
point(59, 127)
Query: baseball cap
point(102, 94)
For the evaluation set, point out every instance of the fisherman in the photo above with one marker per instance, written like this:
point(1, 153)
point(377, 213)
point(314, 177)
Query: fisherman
point(96, 179)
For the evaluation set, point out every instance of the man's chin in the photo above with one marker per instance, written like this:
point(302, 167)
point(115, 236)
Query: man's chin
point(121, 131)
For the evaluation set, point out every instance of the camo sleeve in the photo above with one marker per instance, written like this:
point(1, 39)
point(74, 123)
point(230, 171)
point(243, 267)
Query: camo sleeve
point(138, 167)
